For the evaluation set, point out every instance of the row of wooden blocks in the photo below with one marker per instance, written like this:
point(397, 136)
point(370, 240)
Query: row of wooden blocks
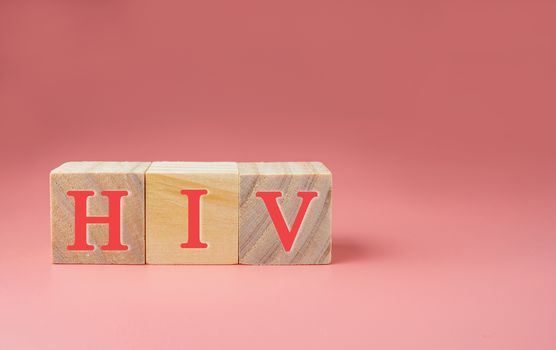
point(191, 213)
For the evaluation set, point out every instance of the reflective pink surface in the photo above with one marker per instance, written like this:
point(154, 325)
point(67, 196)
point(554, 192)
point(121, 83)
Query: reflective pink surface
point(436, 118)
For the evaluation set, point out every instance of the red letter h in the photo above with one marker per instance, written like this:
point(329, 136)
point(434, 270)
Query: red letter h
point(82, 220)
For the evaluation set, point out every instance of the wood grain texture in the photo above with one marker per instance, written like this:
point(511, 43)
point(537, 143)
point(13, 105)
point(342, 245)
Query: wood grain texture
point(167, 209)
point(98, 176)
point(259, 242)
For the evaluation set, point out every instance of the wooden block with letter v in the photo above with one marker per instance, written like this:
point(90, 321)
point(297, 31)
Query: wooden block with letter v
point(285, 213)
point(192, 213)
point(97, 212)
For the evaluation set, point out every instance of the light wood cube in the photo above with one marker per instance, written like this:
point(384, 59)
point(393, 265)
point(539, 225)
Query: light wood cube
point(97, 212)
point(285, 213)
point(192, 213)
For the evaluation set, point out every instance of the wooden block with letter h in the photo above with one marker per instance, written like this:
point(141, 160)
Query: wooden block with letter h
point(97, 213)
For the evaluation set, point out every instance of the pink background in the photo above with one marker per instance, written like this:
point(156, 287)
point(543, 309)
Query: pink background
point(436, 118)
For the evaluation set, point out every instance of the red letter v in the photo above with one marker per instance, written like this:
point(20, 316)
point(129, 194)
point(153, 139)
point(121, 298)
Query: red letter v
point(286, 235)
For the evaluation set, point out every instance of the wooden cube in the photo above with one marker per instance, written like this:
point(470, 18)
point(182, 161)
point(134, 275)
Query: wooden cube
point(285, 213)
point(97, 212)
point(192, 213)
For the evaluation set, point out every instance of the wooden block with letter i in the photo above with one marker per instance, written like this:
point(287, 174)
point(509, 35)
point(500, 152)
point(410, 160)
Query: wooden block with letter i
point(192, 213)
point(97, 212)
point(285, 213)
